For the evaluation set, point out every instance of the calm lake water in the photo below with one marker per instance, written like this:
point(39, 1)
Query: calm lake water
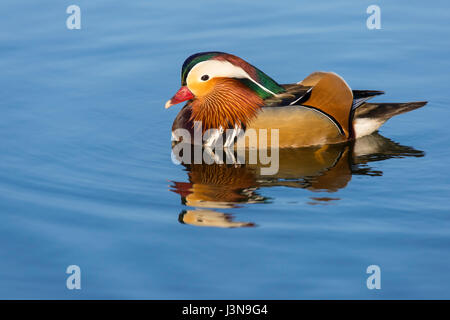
point(86, 175)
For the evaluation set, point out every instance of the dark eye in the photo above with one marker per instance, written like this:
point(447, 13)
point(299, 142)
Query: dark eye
point(205, 77)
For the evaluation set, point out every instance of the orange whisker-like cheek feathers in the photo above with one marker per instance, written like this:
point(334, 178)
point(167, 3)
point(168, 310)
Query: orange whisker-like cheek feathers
point(228, 104)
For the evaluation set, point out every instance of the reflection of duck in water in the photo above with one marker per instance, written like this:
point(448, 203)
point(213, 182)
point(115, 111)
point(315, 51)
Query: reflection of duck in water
point(225, 92)
point(210, 218)
point(323, 168)
point(218, 186)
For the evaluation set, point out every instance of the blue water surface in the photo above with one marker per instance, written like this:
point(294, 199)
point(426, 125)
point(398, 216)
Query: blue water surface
point(86, 176)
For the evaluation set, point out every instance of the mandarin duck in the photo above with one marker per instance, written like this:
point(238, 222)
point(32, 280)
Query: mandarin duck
point(224, 92)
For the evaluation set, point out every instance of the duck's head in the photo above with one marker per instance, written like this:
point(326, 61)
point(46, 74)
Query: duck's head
point(224, 90)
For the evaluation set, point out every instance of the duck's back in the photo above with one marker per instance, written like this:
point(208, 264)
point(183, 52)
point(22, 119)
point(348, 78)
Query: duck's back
point(320, 116)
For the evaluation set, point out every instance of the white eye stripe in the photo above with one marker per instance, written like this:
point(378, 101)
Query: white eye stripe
point(216, 68)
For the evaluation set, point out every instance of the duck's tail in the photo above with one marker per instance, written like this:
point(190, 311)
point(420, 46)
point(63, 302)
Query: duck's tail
point(368, 117)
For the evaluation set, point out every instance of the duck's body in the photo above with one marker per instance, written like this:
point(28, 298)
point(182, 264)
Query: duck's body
point(225, 92)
